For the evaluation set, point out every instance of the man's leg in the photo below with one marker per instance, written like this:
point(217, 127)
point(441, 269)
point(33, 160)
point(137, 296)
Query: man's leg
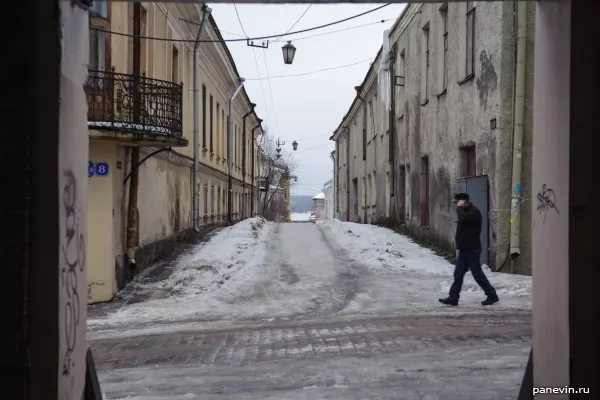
point(460, 270)
point(474, 263)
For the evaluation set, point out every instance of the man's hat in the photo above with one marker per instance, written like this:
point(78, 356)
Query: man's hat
point(460, 196)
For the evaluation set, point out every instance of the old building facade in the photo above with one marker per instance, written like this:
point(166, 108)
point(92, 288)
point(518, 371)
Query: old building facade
point(446, 106)
point(162, 128)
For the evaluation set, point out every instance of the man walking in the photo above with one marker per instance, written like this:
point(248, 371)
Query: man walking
point(468, 244)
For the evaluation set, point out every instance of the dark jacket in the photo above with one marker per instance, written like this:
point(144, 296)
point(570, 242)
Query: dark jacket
point(468, 228)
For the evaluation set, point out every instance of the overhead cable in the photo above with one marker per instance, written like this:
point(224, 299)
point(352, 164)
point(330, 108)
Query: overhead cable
point(240, 39)
point(295, 23)
point(312, 72)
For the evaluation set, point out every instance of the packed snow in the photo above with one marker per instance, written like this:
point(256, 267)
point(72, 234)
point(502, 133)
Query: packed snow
point(257, 271)
point(489, 373)
point(412, 275)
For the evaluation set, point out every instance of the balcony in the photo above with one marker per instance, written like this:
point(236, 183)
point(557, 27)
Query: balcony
point(149, 116)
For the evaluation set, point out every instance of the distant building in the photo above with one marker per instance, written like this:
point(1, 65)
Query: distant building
point(329, 203)
point(319, 206)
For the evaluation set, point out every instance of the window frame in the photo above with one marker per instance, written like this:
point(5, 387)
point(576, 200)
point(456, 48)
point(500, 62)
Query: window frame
point(204, 117)
point(470, 40)
point(426, 61)
point(211, 127)
point(104, 24)
point(445, 46)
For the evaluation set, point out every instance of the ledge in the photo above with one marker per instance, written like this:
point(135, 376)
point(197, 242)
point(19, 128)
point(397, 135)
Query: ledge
point(467, 79)
point(443, 92)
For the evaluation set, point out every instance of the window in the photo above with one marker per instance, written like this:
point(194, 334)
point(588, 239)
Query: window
point(401, 83)
point(99, 9)
point(214, 203)
point(424, 191)
point(235, 145)
point(402, 192)
point(425, 68)
point(370, 188)
point(204, 116)
point(219, 201)
point(374, 192)
point(98, 51)
point(364, 134)
point(388, 199)
point(205, 200)
point(174, 65)
point(218, 129)
point(444, 18)
point(211, 127)
point(470, 38)
point(99, 45)
point(223, 130)
point(468, 159)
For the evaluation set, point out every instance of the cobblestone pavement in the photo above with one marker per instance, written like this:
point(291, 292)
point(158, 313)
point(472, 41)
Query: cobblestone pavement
point(311, 340)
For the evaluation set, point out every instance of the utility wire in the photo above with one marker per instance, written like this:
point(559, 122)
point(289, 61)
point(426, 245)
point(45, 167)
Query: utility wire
point(316, 147)
point(239, 19)
point(240, 39)
point(271, 92)
point(312, 72)
point(295, 23)
point(331, 32)
point(262, 90)
point(300, 38)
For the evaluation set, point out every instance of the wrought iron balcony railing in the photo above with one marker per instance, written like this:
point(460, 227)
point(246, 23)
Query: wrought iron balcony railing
point(115, 104)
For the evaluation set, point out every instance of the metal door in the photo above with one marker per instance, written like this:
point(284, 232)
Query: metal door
point(478, 190)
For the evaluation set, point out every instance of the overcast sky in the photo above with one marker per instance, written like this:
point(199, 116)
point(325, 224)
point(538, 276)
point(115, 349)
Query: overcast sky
point(305, 108)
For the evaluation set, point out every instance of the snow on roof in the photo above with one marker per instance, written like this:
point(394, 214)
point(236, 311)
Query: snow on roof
point(319, 196)
point(138, 127)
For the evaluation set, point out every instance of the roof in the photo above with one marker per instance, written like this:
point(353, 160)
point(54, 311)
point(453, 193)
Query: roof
point(320, 196)
point(357, 98)
point(224, 44)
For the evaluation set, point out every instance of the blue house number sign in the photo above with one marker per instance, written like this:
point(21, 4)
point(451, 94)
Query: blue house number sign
point(98, 169)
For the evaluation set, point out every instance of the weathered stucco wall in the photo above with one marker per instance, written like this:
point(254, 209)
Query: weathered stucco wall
point(436, 118)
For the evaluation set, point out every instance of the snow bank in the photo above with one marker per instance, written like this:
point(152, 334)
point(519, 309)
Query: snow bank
point(199, 278)
point(414, 276)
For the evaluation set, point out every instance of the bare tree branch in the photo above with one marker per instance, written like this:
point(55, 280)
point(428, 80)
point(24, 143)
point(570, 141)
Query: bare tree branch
point(276, 174)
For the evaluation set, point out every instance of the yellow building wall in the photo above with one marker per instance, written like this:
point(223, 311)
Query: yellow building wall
point(99, 245)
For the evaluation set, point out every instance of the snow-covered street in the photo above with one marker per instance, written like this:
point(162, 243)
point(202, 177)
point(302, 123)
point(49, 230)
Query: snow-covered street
point(291, 311)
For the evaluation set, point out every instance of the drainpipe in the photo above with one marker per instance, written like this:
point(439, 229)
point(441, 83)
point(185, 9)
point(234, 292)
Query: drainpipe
point(253, 171)
point(132, 211)
point(519, 116)
point(230, 149)
point(392, 126)
point(244, 150)
point(364, 143)
point(347, 173)
point(196, 106)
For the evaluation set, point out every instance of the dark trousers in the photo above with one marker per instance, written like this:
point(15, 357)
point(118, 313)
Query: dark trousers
point(469, 260)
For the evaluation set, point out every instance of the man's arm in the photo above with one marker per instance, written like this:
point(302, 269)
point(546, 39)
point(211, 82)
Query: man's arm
point(466, 215)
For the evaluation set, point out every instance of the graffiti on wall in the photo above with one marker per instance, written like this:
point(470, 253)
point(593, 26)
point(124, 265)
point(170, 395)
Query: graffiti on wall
point(546, 201)
point(73, 250)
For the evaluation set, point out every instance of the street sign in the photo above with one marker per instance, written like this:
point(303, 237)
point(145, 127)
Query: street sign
point(98, 169)
point(101, 169)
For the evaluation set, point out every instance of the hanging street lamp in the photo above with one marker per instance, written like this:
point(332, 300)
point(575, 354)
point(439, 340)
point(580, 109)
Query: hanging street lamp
point(295, 145)
point(289, 51)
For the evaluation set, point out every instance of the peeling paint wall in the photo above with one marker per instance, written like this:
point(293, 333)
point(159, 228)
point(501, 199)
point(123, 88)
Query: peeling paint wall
point(461, 111)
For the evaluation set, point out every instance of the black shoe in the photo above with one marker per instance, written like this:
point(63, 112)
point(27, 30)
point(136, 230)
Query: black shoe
point(449, 302)
point(490, 300)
